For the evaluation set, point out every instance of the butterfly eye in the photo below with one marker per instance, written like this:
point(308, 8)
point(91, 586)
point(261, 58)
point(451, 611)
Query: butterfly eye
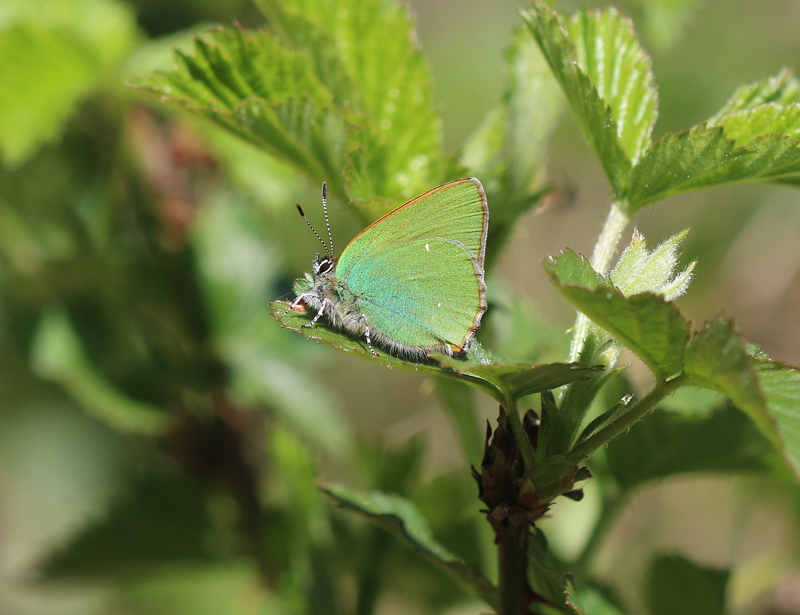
point(325, 265)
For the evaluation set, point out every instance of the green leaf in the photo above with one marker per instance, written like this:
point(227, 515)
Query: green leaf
point(647, 324)
point(639, 270)
point(249, 83)
point(748, 124)
point(50, 59)
point(609, 52)
point(401, 518)
point(781, 388)
point(608, 82)
point(504, 383)
point(666, 443)
point(365, 52)
point(507, 152)
point(782, 89)
point(677, 585)
point(513, 382)
point(704, 156)
point(716, 359)
point(323, 92)
point(575, 270)
point(57, 355)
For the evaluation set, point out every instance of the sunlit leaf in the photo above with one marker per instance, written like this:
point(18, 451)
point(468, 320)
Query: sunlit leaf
point(249, 83)
point(782, 89)
point(366, 53)
point(606, 77)
point(640, 270)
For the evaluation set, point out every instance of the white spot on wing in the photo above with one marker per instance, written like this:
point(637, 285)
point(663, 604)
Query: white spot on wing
point(427, 247)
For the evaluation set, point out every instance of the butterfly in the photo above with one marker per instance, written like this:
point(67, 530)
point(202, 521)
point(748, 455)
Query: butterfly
point(413, 281)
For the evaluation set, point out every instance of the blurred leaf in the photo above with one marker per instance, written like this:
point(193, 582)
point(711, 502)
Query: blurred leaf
point(716, 359)
point(502, 382)
point(606, 77)
point(677, 585)
point(51, 56)
point(57, 355)
point(301, 400)
point(703, 157)
point(666, 21)
point(639, 270)
point(507, 151)
point(592, 602)
point(460, 404)
point(366, 54)
point(401, 518)
point(238, 268)
point(225, 588)
point(518, 329)
point(647, 324)
point(666, 443)
point(781, 388)
point(162, 520)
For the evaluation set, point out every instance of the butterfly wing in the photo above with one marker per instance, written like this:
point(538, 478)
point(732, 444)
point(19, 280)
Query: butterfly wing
point(420, 292)
point(456, 211)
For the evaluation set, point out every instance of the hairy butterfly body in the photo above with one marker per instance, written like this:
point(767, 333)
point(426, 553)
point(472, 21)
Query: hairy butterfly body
point(411, 282)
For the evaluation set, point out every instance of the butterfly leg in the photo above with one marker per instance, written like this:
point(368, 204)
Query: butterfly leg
point(294, 304)
point(366, 335)
point(314, 320)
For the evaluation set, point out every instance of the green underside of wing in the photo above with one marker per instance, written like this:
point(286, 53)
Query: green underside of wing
point(422, 293)
point(455, 211)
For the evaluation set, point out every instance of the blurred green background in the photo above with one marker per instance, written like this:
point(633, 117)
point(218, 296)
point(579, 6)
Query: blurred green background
point(160, 434)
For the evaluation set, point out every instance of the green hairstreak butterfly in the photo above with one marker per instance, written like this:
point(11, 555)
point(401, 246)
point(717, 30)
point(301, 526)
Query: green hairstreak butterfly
point(410, 283)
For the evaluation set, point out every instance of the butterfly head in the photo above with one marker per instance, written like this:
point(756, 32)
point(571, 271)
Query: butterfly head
point(322, 266)
point(326, 264)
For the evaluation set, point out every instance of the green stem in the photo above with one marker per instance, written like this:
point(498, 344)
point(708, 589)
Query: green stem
point(624, 421)
point(604, 250)
point(513, 573)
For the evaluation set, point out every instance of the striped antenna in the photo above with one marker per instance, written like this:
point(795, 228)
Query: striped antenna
point(327, 223)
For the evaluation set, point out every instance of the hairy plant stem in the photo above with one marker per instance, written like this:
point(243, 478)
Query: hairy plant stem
point(513, 575)
point(604, 249)
point(624, 421)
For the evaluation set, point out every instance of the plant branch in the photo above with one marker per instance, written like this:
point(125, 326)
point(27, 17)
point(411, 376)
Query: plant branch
point(513, 573)
point(604, 249)
point(624, 421)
